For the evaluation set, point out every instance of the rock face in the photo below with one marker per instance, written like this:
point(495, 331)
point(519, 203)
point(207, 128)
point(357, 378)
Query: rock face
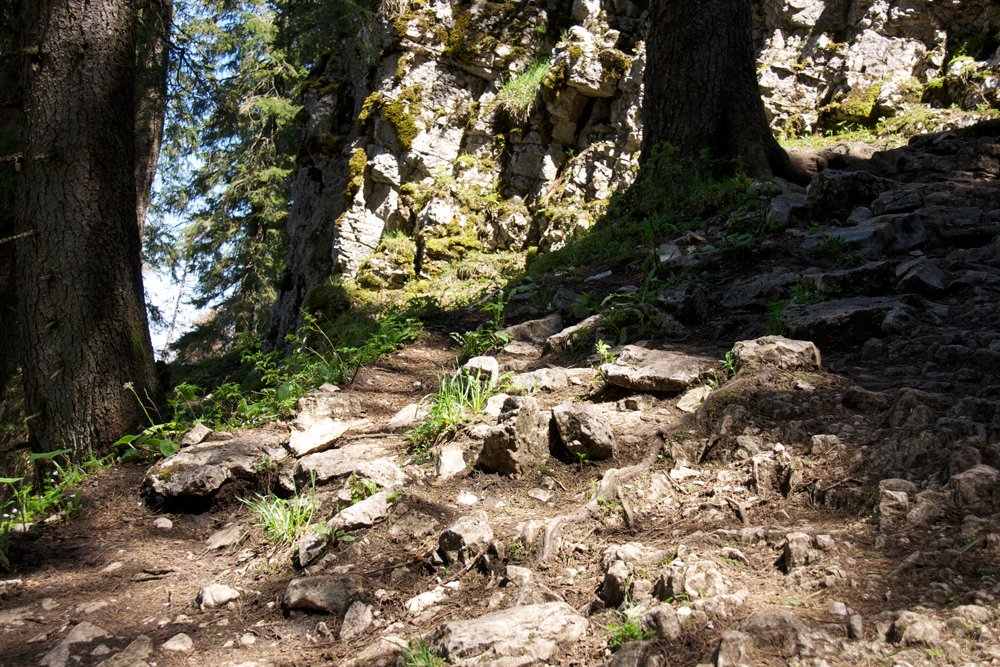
point(375, 143)
point(520, 441)
point(520, 635)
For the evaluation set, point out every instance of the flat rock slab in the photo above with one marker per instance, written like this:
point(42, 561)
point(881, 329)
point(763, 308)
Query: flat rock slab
point(535, 331)
point(521, 635)
point(199, 470)
point(841, 322)
point(409, 417)
point(363, 514)
point(329, 465)
point(640, 369)
point(321, 433)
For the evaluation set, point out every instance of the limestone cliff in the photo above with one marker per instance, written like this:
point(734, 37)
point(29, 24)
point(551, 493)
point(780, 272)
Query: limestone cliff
point(432, 143)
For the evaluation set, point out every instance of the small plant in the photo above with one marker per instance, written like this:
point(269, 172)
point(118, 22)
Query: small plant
point(729, 364)
point(775, 317)
point(361, 489)
point(581, 458)
point(283, 519)
point(459, 397)
point(628, 629)
point(516, 550)
point(147, 445)
point(418, 654)
point(604, 353)
point(519, 93)
point(832, 246)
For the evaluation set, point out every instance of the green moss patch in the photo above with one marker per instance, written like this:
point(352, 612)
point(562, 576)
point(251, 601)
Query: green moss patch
point(402, 113)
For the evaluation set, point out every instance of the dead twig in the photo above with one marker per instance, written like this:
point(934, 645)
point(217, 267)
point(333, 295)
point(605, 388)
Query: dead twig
point(457, 575)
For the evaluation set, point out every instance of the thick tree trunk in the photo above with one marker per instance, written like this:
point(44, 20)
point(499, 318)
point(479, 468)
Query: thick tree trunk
point(80, 301)
point(151, 95)
point(701, 87)
point(8, 178)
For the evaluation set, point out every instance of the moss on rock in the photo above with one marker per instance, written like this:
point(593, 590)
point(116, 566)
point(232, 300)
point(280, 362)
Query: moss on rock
point(452, 247)
point(402, 113)
point(615, 63)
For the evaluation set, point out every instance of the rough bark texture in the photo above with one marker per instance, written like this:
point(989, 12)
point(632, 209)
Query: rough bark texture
point(8, 177)
point(151, 95)
point(701, 86)
point(81, 311)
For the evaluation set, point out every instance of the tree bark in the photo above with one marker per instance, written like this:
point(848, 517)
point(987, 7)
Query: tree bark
point(80, 303)
point(155, 17)
point(701, 89)
point(8, 178)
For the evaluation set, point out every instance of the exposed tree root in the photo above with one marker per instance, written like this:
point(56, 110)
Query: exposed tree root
point(591, 508)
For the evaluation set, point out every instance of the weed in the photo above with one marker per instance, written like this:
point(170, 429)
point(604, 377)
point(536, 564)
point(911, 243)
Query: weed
point(283, 519)
point(605, 356)
point(775, 317)
point(732, 561)
point(628, 629)
point(736, 246)
point(459, 397)
point(418, 654)
point(519, 93)
point(581, 458)
point(729, 364)
point(832, 246)
point(361, 489)
point(516, 550)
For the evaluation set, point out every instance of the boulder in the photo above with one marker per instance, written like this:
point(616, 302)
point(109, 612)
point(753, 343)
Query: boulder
point(663, 621)
point(216, 595)
point(970, 487)
point(517, 636)
point(568, 336)
point(784, 353)
point(734, 650)
point(329, 594)
point(584, 430)
point(363, 514)
point(536, 331)
point(486, 369)
point(920, 276)
point(520, 441)
point(762, 291)
point(640, 369)
point(465, 538)
point(199, 470)
point(544, 379)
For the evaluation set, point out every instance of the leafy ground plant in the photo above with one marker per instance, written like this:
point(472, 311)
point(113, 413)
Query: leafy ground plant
point(627, 629)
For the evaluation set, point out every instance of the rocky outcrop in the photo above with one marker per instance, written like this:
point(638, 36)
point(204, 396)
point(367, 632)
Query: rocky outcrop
point(428, 158)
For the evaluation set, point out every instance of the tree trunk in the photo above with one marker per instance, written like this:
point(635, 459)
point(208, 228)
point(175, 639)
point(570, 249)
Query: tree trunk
point(153, 34)
point(151, 95)
point(8, 178)
point(81, 310)
point(701, 87)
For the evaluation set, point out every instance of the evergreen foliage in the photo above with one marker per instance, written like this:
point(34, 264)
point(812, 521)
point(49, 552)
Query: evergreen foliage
point(230, 143)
